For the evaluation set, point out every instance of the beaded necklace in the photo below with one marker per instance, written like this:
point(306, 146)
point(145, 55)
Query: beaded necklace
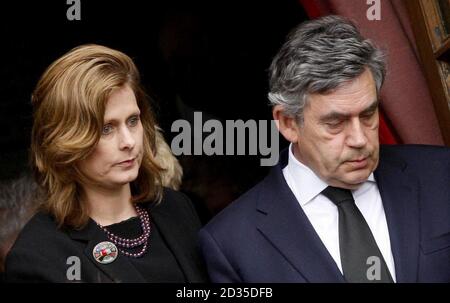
point(132, 243)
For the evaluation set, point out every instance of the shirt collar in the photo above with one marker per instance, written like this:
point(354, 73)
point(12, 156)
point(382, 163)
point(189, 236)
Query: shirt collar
point(308, 184)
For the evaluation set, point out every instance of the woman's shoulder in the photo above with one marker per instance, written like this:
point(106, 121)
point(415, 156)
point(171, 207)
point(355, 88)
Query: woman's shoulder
point(40, 227)
point(178, 206)
point(33, 254)
point(39, 234)
point(172, 200)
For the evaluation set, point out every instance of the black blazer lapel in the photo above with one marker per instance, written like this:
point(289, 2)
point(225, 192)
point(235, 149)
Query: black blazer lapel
point(400, 198)
point(120, 270)
point(169, 228)
point(283, 222)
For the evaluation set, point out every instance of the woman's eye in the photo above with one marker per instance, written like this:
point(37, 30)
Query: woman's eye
point(134, 121)
point(106, 129)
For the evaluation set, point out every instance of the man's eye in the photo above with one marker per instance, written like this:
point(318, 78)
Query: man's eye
point(106, 129)
point(334, 124)
point(368, 115)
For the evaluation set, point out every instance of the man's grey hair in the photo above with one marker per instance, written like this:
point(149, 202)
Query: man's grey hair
point(319, 56)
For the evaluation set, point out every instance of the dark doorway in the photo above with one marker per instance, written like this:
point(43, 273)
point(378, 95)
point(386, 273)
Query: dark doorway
point(208, 56)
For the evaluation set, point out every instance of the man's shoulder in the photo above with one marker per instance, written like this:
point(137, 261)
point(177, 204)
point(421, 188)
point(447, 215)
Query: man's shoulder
point(420, 158)
point(414, 152)
point(239, 213)
point(429, 164)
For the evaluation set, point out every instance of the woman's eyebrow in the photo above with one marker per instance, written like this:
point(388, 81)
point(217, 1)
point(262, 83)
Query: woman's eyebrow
point(113, 120)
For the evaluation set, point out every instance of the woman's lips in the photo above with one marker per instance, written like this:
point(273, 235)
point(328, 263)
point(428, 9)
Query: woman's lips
point(127, 163)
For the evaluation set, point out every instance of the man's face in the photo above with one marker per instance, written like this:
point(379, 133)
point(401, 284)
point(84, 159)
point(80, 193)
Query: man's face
point(339, 137)
point(118, 155)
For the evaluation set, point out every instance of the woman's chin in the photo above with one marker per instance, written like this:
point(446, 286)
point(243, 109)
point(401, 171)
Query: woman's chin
point(123, 180)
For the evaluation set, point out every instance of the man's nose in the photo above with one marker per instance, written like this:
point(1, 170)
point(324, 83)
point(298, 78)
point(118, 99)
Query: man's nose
point(356, 134)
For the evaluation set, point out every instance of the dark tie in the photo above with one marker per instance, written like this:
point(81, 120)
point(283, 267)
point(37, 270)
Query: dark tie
point(356, 242)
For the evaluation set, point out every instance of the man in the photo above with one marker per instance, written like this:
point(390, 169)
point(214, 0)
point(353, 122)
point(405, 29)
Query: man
point(337, 208)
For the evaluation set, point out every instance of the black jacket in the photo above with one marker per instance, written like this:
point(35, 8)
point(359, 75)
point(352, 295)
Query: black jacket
point(265, 236)
point(42, 250)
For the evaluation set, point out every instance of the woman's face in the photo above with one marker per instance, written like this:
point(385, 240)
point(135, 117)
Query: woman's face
point(118, 155)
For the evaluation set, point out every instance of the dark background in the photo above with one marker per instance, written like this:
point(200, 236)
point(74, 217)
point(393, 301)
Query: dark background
point(213, 55)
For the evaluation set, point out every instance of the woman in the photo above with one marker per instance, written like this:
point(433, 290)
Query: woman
point(106, 216)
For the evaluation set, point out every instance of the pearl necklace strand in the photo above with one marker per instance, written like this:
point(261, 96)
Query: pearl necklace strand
point(131, 243)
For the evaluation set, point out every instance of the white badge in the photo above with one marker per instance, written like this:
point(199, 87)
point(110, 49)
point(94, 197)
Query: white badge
point(105, 252)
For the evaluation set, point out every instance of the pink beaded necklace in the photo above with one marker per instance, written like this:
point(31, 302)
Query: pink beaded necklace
point(131, 243)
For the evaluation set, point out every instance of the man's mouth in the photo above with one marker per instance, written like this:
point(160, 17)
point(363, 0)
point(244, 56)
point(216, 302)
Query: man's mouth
point(358, 162)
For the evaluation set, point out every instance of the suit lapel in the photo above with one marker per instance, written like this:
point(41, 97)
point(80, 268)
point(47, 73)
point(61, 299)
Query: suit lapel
point(175, 240)
point(400, 201)
point(120, 270)
point(283, 222)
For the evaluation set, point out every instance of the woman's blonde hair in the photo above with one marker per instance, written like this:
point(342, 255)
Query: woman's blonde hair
point(69, 105)
point(173, 172)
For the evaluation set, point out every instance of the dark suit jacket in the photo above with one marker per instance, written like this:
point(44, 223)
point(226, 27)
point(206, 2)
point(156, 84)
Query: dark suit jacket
point(41, 250)
point(265, 236)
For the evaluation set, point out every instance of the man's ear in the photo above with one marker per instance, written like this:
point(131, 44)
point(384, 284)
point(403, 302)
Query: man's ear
point(286, 125)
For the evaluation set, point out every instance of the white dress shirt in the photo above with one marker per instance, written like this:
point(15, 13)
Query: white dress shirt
point(323, 214)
